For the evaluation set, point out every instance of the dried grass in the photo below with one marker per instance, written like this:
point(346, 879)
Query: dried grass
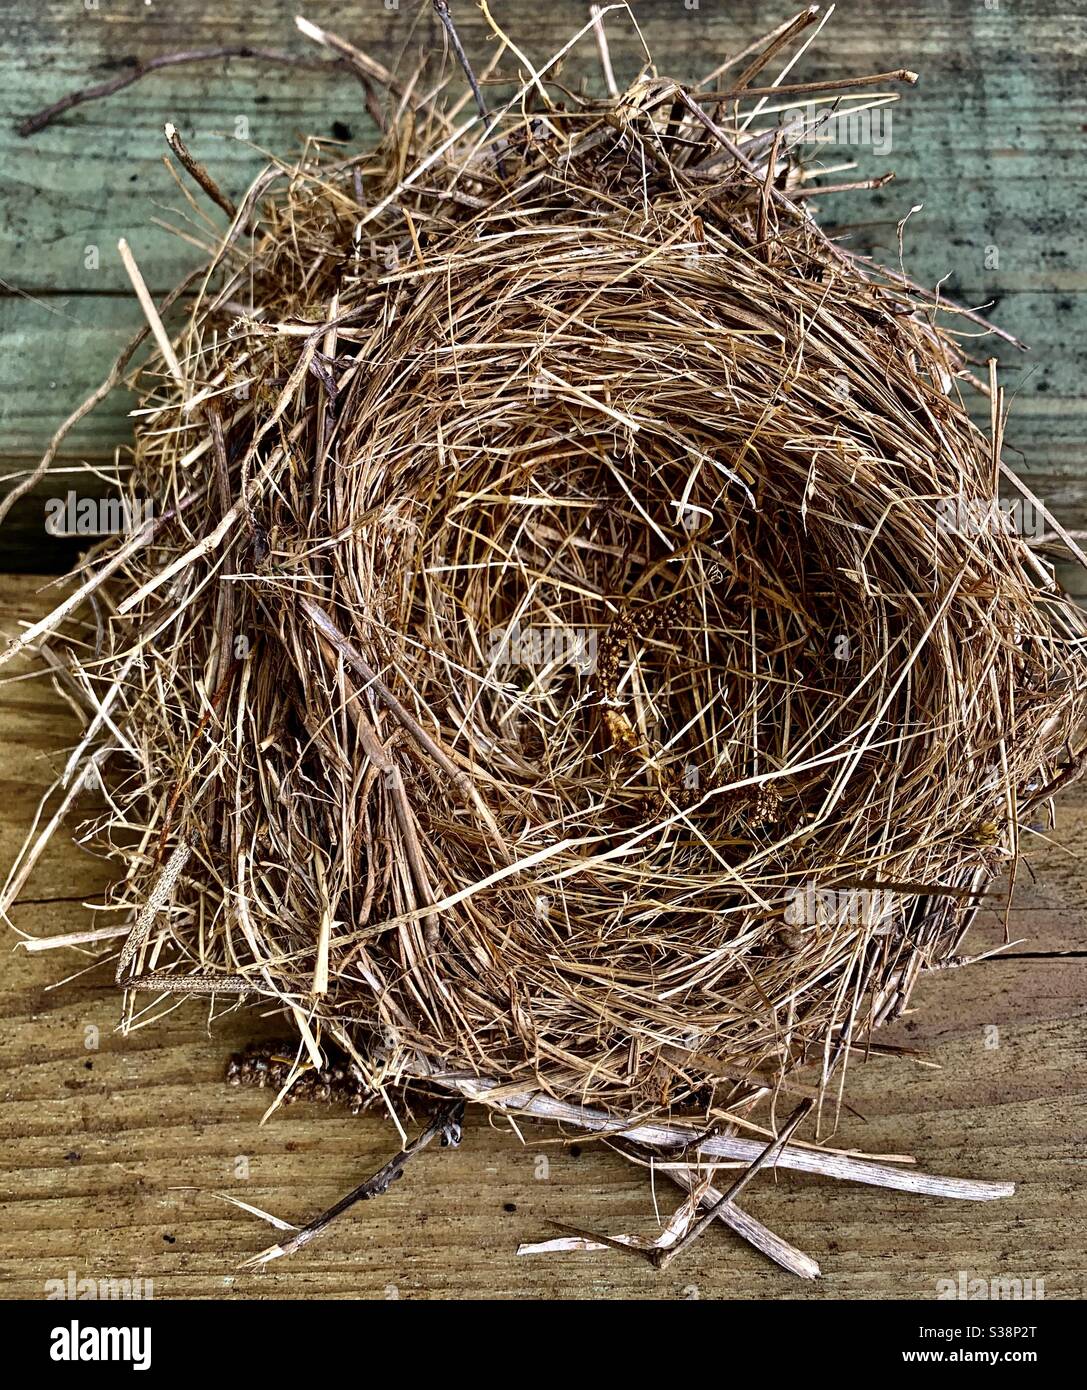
point(590, 369)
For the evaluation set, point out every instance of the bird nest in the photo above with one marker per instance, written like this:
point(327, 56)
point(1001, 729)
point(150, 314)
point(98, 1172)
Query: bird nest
point(575, 656)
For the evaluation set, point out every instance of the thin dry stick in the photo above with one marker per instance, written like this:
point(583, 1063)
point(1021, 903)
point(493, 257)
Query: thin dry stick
point(447, 1124)
point(689, 1179)
point(654, 1134)
point(743, 1224)
point(441, 9)
point(197, 171)
point(663, 1257)
point(147, 304)
point(841, 84)
point(605, 53)
point(32, 124)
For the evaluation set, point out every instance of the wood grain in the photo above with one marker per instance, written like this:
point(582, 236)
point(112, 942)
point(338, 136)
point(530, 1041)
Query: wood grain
point(989, 143)
point(109, 1154)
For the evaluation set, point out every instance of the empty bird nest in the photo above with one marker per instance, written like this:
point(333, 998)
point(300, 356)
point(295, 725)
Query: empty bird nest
point(569, 658)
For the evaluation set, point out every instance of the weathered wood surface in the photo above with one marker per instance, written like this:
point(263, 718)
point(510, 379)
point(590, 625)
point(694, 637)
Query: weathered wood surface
point(98, 1147)
point(990, 143)
point(108, 1155)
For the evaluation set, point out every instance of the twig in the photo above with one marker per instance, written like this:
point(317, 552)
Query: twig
point(32, 124)
point(605, 53)
point(441, 9)
point(660, 1135)
point(198, 172)
point(740, 1222)
point(147, 304)
point(841, 84)
point(368, 69)
point(858, 185)
point(663, 1257)
point(446, 1123)
point(750, 1229)
point(777, 42)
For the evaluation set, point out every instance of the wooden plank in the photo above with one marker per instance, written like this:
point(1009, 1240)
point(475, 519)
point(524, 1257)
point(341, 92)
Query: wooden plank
point(54, 358)
point(59, 351)
point(109, 1153)
point(981, 143)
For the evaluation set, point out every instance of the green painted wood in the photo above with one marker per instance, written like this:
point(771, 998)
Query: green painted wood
point(55, 353)
point(987, 140)
point(989, 143)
